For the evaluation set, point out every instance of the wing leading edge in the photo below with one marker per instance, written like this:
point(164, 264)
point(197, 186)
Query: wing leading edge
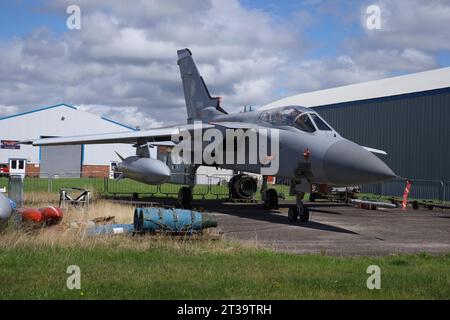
point(153, 135)
point(377, 151)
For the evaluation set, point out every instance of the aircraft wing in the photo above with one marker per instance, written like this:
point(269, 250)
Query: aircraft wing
point(157, 136)
point(237, 125)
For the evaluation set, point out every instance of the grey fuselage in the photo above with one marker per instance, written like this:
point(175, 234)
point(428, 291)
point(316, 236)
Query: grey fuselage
point(320, 156)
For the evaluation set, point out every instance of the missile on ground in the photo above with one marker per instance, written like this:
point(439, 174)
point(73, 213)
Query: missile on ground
point(376, 204)
point(110, 229)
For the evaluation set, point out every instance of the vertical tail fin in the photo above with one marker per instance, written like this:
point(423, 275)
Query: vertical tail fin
point(196, 93)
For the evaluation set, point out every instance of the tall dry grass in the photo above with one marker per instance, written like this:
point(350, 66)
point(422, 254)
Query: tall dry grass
point(97, 209)
point(61, 236)
point(34, 198)
point(52, 238)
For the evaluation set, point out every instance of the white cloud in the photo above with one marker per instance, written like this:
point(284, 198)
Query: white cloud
point(125, 55)
point(122, 63)
point(408, 59)
point(418, 24)
point(8, 110)
point(412, 33)
point(126, 114)
point(311, 75)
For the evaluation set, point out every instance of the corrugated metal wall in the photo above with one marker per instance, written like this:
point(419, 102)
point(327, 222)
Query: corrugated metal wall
point(64, 161)
point(414, 129)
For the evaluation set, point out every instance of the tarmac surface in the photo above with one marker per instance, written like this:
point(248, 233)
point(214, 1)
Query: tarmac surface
point(336, 229)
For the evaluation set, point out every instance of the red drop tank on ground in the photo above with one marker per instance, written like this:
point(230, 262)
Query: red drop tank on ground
point(47, 215)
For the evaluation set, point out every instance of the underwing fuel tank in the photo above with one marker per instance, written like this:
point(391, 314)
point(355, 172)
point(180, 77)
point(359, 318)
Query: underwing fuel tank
point(146, 170)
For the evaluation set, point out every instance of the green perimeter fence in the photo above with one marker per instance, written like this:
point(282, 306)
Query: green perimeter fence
point(206, 186)
point(213, 187)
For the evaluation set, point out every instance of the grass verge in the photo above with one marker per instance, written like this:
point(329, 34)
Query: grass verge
point(160, 268)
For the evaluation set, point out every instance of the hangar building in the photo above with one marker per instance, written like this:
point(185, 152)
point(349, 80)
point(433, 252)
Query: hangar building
point(407, 116)
point(59, 120)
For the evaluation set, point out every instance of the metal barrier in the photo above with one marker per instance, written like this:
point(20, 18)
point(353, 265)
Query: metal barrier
point(428, 189)
point(218, 185)
point(421, 189)
point(209, 186)
point(126, 186)
point(15, 189)
point(205, 185)
point(447, 191)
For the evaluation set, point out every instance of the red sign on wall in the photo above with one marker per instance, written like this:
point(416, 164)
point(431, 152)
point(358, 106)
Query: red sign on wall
point(9, 144)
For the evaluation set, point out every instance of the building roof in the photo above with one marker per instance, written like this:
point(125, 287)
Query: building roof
point(61, 105)
point(412, 83)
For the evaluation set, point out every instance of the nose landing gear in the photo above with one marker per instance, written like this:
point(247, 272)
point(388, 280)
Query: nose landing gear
point(299, 211)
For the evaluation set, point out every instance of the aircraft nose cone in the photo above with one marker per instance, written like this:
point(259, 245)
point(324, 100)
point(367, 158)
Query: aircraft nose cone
point(346, 163)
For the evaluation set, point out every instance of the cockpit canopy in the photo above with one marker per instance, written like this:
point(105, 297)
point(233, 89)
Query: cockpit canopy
point(301, 118)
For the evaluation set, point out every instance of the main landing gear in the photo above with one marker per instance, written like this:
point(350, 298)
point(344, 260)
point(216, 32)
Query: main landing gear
point(185, 198)
point(270, 196)
point(185, 192)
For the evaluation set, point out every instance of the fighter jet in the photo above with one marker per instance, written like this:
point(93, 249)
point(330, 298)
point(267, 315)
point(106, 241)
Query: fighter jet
point(304, 148)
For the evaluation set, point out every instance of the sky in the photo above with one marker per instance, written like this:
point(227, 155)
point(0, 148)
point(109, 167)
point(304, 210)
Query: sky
point(121, 63)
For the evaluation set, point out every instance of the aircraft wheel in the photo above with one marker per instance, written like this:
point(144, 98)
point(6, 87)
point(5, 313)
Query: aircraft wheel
point(415, 205)
point(304, 214)
point(293, 214)
point(185, 198)
point(271, 199)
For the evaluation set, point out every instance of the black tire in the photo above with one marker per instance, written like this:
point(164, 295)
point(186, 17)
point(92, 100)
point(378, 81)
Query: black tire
point(312, 196)
point(304, 215)
point(415, 205)
point(185, 198)
point(293, 214)
point(271, 199)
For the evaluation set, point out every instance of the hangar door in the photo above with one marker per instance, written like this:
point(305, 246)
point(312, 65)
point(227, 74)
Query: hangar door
point(64, 161)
